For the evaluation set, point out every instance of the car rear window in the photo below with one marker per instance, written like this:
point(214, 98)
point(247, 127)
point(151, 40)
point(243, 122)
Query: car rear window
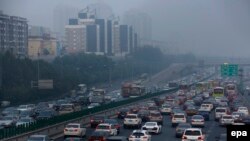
point(102, 127)
point(227, 117)
point(131, 116)
point(193, 132)
point(178, 116)
point(155, 114)
point(220, 110)
point(138, 134)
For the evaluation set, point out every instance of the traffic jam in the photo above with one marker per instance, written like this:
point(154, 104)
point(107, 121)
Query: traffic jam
point(193, 113)
point(185, 112)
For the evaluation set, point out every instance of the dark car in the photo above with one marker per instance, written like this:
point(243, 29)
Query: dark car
point(205, 114)
point(113, 122)
point(153, 108)
point(246, 120)
point(144, 115)
point(98, 136)
point(181, 128)
point(123, 113)
point(117, 138)
point(95, 120)
point(46, 114)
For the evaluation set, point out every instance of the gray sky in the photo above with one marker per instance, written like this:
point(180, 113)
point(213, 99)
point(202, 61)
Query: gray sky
point(204, 27)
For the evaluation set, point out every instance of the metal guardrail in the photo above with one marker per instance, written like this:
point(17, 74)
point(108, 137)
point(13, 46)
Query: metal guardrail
point(50, 126)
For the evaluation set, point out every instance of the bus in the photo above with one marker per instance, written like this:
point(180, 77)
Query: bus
point(201, 87)
point(230, 88)
point(184, 87)
point(218, 92)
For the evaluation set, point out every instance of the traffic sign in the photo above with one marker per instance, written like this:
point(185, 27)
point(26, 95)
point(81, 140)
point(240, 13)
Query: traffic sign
point(229, 70)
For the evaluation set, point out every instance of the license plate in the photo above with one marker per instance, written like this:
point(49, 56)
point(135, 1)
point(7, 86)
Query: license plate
point(137, 140)
point(129, 120)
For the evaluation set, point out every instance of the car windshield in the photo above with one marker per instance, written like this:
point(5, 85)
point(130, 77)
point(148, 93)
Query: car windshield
point(155, 114)
point(73, 139)
point(193, 132)
point(7, 118)
point(22, 106)
point(150, 124)
point(197, 117)
point(25, 120)
point(184, 126)
point(227, 117)
point(138, 134)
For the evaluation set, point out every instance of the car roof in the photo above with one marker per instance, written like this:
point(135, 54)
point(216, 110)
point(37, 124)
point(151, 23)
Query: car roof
point(140, 131)
point(198, 129)
point(38, 135)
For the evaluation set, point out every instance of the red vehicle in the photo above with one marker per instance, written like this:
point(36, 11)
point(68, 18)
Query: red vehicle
point(132, 90)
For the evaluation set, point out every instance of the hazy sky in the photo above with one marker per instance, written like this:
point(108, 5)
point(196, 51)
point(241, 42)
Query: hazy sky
point(204, 27)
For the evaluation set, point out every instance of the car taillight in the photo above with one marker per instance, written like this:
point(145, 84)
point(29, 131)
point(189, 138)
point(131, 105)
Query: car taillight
point(184, 137)
point(118, 113)
point(200, 138)
point(130, 136)
point(193, 121)
point(65, 129)
point(145, 137)
point(76, 130)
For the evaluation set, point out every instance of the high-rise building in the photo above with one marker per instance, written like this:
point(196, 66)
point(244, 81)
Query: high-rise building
point(102, 34)
point(76, 40)
point(110, 43)
point(14, 34)
point(124, 39)
point(93, 39)
point(141, 22)
point(116, 39)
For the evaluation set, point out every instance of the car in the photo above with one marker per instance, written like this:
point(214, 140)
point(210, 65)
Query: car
point(144, 115)
point(122, 113)
point(8, 110)
point(181, 127)
point(206, 107)
point(46, 114)
point(246, 120)
point(27, 113)
point(197, 120)
point(178, 118)
point(191, 110)
point(74, 129)
point(226, 120)
point(113, 122)
point(8, 121)
point(25, 121)
point(92, 105)
point(98, 136)
point(219, 111)
point(205, 114)
point(193, 134)
point(66, 108)
point(117, 138)
point(237, 115)
point(153, 108)
point(152, 127)
point(95, 120)
point(73, 139)
point(243, 110)
point(166, 109)
point(132, 120)
point(140, 135)
point(26, 107)
point(110, 128)
point(156, 116)
point(221, 137)
point(39, 138)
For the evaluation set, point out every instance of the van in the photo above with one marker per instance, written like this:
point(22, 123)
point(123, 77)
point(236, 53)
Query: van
point(219, 111)
point(66, 108)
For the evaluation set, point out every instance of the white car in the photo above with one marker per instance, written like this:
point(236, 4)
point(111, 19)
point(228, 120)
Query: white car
point(178, 118)
point(8, 121)
point(74, 129)
point(166, 109)
point(243, 110)
point(197, 120)
point(39, 138)
point(139, 135)
point(132, 120)
point(25, 121)
point(206, 107)
point(28, 107)
point(107, 127)
point(219, 111)
point(152, 127)
point(92, 105)
point(193, 134)
point(226, 120)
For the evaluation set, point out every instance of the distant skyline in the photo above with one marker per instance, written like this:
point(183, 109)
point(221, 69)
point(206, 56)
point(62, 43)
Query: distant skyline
point(203, 27)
